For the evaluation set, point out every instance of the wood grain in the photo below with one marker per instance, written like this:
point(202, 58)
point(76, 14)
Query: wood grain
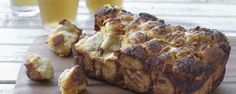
point(209, 15)
point(9, 72)
point(6, 88)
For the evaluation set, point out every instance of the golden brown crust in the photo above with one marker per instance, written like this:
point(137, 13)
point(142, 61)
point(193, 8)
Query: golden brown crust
point(38, 68)
point(154, 57)
point(32, 73)
point(72, 81)
point(61, 40)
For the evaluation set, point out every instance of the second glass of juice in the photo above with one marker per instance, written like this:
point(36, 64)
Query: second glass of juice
point(53, 11)
point(93, 5)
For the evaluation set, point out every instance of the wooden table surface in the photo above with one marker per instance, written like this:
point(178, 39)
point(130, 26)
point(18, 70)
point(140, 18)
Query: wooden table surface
point(17, 33)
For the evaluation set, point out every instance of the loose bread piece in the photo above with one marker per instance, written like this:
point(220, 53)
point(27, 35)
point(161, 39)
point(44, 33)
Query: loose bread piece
point(61, 40)
point(39, 68)
point(72, 81)
point(143, 54)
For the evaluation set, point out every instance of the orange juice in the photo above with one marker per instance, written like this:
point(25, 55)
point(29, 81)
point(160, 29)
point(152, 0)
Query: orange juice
point(93, 5)
point(53, 11)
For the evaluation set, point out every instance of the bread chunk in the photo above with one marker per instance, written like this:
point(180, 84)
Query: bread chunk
point(143, 54)
point(61, 40)
point(72, 81)
point(39, 68)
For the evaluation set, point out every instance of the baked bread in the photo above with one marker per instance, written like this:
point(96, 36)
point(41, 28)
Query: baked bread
point(61, 40)
point(39, 68)
point(72, 81)
point(143, 54)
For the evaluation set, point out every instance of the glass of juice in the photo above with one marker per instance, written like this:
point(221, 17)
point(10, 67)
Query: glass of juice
point(24, 8)
point(93, 5)
point(52, 11)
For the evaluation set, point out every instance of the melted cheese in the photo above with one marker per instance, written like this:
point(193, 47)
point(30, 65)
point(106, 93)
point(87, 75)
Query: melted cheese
point(101, 40)
point(94, 42)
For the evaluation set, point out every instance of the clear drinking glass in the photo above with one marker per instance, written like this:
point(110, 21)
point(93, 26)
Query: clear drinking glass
point(52, 11)
point(24, 8)
point(93, 5)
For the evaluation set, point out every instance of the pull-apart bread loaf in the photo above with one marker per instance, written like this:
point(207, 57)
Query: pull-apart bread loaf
point(143, 54)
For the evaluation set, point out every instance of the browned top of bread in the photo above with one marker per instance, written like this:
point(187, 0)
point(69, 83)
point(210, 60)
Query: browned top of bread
point(145, 31)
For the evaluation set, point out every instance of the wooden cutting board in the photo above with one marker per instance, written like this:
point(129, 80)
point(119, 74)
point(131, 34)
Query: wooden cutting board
point(26, 86)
